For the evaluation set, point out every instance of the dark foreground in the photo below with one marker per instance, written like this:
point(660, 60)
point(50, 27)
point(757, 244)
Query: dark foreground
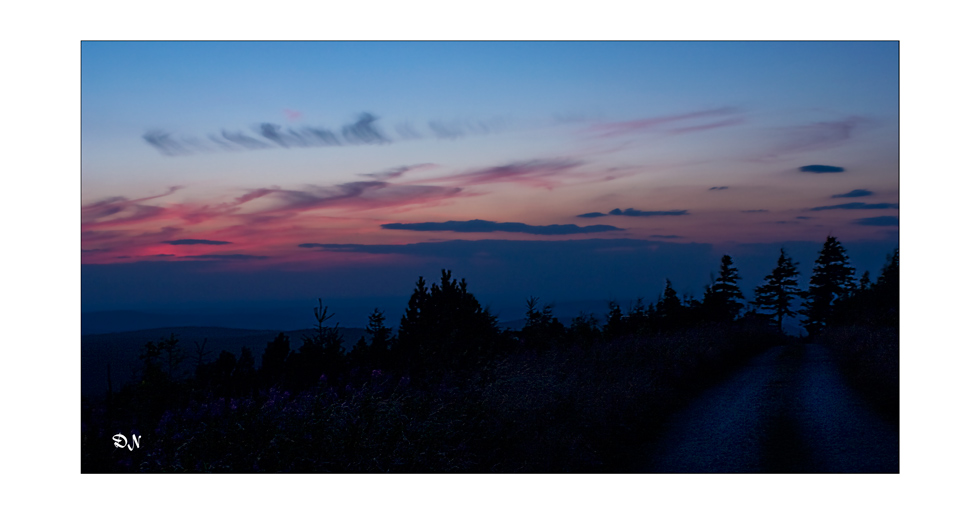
point(788, 411)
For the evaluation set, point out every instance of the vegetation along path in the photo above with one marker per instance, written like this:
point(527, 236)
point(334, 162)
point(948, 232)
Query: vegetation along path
point(788, 411)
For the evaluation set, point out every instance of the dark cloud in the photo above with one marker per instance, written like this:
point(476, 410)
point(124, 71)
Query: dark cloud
point(196, 242)
point(636, 212)
point(362, 131)
point(821, 168)
point(306, 136)
point(878, 221)
point(165, 143)
point(226, 257)
point(591, 215)
point(804, 217)
point(717, 188)
point(857, 205)
point(756, 210)
point(246, 142)
point(854, 194)
point(659, 236)
point(493, 226)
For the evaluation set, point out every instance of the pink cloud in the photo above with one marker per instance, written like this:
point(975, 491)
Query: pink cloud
point(120, 226)
point(120, 211)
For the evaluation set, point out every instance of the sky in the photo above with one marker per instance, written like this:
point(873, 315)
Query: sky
point(220, 175)
point(47, 127)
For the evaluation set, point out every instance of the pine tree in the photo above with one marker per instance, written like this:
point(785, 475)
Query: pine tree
point(832, 280)
point(380, 334)
point(776, 295)
point(444, 327)
point(721, 301)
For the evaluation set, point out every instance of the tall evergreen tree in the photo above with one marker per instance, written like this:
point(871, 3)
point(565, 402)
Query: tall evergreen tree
point(721, 301)
point(670, 313)
point(776, 295)
point(445, 326)
point(832, 280)
point(380, 334)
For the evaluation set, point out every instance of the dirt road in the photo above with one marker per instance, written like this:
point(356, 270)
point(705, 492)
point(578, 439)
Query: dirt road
point(788, 411)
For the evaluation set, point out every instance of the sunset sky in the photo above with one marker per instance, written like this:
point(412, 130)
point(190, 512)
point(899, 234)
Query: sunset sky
point(216, 173)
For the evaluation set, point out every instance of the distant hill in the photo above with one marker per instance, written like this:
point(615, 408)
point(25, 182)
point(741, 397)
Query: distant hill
point(121, 349)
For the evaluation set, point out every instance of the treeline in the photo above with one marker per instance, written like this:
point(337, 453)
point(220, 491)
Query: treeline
point(450, 391)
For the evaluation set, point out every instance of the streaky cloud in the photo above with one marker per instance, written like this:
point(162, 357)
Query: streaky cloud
point(397, 171)
point(718, 188)
point(814, 136)
point(363, 131)
point(270, 135)
point(540, 172)
point(752, 211)
point(857, 205)
point(661, 236)
point(493, 226)
point(878, 221)
point(591, 215)
point(854, 194)
point(604, 130)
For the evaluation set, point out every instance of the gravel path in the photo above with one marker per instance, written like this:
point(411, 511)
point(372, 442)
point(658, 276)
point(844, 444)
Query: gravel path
point(787, 411)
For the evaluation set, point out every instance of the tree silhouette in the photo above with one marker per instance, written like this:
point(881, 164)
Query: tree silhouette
point(871, 304)
point(865, 283)
point(375, 353)
point(721, 301)
point(776, 295)
point(322, 354)
point(274, 359)
point(615, 326)
point(380, 334)
point(832, 280)
point(444, 327)
point(670, 310)
point(540, 326)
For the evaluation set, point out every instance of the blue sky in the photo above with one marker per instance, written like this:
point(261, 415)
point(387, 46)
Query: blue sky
point(936, 135)
point(340, 159)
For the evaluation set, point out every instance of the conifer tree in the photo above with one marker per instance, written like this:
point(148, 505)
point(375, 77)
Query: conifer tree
point(776, 295)
point(832, 280)
point(444, 326)
point(721, 301)
point(670, 310)
point(380, 334)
